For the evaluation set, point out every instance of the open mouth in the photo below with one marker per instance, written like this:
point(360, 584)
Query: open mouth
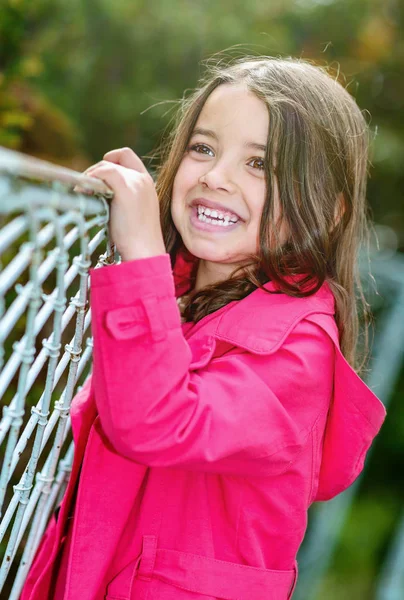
point(212, 223)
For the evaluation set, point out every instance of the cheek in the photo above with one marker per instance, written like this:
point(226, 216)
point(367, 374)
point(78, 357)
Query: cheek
point(187, 175)
point(181, 185)
point(257, 198)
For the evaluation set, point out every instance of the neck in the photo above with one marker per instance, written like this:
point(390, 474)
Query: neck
point(210, 273)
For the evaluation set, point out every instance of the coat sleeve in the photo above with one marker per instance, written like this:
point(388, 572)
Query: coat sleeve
point(241, 414)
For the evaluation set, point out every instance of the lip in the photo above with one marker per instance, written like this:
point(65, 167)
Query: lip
point(214, 205)
point(218, 229)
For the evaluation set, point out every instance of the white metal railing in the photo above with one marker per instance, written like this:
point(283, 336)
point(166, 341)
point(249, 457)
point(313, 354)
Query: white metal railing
point(48, 237)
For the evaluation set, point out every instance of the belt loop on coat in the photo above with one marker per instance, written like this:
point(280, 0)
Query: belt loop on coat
point(148, 557)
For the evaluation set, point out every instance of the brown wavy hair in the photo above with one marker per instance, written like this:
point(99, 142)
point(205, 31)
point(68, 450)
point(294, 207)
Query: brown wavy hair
point(319, 138)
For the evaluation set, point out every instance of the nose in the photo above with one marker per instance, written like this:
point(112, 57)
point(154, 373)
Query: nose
point(218, 177)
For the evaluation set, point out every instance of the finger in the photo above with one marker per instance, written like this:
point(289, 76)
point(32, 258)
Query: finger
point(81, 190)
point(94, 166)
point(106, 172)
point(103, 167)
point(100, 163)
point(78, 188)
point(126, 158)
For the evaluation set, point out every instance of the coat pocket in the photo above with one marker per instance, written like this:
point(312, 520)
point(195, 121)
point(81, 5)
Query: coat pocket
point(174, 575)
point(120, 587)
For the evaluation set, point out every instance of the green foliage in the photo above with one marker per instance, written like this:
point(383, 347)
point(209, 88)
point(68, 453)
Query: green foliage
point(361, 547)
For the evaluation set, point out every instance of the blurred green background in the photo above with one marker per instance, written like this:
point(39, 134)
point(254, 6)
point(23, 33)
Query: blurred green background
point(82, 77)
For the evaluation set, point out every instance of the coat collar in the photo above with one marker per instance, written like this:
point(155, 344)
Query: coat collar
point(241, 323)
point(246, 325)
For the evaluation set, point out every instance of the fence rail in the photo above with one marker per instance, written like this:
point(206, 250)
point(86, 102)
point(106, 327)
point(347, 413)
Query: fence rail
point(50, 236)
point(48, 240)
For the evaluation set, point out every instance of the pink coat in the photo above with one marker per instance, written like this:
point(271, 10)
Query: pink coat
point(201, 447)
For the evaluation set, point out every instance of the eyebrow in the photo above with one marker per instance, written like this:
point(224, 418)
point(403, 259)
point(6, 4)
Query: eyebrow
point(212, 134)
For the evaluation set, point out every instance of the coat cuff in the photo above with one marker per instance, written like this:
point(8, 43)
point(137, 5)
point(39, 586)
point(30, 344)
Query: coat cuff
point(135, 298)
point(141, 268)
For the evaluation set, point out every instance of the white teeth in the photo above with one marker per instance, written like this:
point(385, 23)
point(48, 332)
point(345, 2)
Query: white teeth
point(216, 214)
point(223, 223)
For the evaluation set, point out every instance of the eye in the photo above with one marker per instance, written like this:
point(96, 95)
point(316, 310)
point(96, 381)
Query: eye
point(196, 147)
point(261, 160)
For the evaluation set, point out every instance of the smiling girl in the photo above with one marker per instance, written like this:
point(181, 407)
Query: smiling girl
point(202, 441)
point(222, 174)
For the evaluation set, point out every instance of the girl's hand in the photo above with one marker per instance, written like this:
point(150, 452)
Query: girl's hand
point(135, 212)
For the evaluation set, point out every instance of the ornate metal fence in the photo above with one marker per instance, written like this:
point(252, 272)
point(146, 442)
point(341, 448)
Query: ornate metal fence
point(50, 236)
point(48, 239)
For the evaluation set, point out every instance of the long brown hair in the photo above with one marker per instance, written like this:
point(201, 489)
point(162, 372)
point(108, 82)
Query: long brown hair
point(319, 138)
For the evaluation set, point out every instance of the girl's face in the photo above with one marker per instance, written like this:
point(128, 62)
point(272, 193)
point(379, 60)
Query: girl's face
point(223, 165)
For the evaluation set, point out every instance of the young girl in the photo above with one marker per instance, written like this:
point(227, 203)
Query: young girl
point(201, 444)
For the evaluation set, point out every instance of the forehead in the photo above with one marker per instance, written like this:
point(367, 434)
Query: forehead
point(233, 108)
